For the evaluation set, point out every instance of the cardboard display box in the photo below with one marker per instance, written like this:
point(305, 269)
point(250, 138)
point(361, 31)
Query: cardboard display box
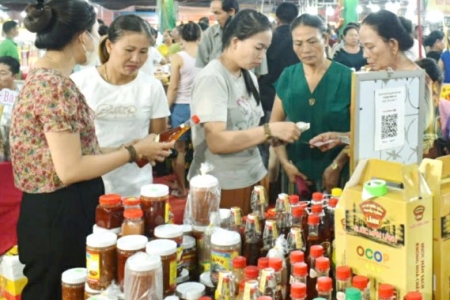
point(388, 238)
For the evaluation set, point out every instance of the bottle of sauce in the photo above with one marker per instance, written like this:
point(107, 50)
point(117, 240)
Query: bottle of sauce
point(325, 287)
point(386, 292)
point(109, 212)
point(131, 202)
point(263, 263)
point(299, 273)
point(236, 224)
point(133, 223)
point(317, 198)
point(259, 204)
point(251, 291)
point(314, 234)
point(250, 273)
point(253, 241)
point(322, 266)
point(239, 264)
point(315, 252)
point(172, 135)
point(268, 284)
point(225, 287)
point(155, 205)
point(298, 291)
point(343, 281)
point(270, 235)
point(295, 256)
point(276, 263)
point(362, 283)
point(296, 239)
point(283, 214)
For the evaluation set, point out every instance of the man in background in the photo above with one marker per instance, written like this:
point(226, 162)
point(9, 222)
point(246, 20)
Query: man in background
point(8, 47)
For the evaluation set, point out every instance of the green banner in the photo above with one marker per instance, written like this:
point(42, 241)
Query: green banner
point(167, 15)
point(350, 11)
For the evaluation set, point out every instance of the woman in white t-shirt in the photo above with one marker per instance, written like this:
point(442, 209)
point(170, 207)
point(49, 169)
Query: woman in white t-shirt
point(128, 103)
point(183, 72)
point(225, 97)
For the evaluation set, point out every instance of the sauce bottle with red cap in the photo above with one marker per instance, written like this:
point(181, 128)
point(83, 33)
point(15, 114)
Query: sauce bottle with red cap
point(343, 281)
point(325, 287)
point(322, 266)
point(263, 263)
point(299, 273)
point(386, 292)
point(253, 243)
point(298, 291)
point(317, 198)
point(315, 252)
point(315, 236)
point(250, 273)
point(239, 264)
point(276, 263)
point(362, 283)
point(413, 296)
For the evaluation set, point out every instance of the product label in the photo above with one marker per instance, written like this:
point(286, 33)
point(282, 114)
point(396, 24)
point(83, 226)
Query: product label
point(340, 296)
point(173, 273)
point(93, 266)
point(222, 260)
point(206, 265)
point(274, 231)
point(287, 205)
point(262, 282)
point(237, 217)
point(262, 196)
point(298, 239)
point(257, 229)
point(189, 262)
point(180, 255)
point(167, 213)
point(247, 292)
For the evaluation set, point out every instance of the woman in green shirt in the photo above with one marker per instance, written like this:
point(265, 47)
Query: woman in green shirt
point(315, 91)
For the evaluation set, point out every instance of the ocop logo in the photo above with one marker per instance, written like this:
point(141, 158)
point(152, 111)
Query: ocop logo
point(370, 254)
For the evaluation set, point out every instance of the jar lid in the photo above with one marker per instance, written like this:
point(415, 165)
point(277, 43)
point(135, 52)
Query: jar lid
point(184, 276)
point(133, 213)
point(190, 290)
point(141, 262)
point(131, 201)
point(205, 278)
point(98, 229)
point(102, 239)
point(188, 242)
point(154, 190)
point(91, 291)
point(186, 228)
point(74, 276)
point(132, 242)
point(168, 231)
point(204, 181)
point(225, 238)
point(161, 247)
point(110, 199)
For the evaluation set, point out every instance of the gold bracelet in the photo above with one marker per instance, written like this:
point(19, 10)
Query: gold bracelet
point(267, 131)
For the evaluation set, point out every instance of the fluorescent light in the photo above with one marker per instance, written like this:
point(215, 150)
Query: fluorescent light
point(359, 9)
point(329, 11)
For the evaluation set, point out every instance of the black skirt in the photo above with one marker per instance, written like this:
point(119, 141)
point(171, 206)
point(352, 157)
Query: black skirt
point(52, 230)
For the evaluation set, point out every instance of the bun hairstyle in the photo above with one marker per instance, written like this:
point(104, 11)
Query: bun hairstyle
point(119, 27)
point(389, 26)
point(191, 32)
point(57, 22)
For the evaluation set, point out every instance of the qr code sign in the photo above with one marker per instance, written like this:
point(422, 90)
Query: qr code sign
point(389, 126)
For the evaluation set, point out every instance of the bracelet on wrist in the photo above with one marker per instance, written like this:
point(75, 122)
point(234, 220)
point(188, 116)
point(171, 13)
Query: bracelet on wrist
point(267, 131)
point(133, 154)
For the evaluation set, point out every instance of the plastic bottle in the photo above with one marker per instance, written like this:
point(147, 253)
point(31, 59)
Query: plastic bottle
point(314, 235)
point(299, 273)
point(253, 243)
point(250, 273)
point(343, 281)
point(362, 283)
point(314, 253)
point(269, 236)
point(239, 264)
point(251, 291)
point(325, 287)
point(317, 198)
point(413, 296)
point(259, 203)
point(322, 266)
point(336, 193)
point(263, 263)
point(268, 284)
point(352, 294)
point(386, 292)
point(298, 291)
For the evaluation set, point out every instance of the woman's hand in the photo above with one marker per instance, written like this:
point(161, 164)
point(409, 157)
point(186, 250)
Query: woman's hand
point(152, 150)
point(328, 140)
point(285, 131)
point(330, 178)
point(292, 172)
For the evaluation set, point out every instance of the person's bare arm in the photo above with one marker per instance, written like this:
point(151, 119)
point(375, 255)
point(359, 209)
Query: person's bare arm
point(172, 90)
point(158, 125)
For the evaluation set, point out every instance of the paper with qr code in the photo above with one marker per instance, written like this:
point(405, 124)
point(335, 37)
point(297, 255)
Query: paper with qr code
point(389, 118)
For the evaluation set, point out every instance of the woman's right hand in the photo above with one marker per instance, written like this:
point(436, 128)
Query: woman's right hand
point(292, 172)
point(153, 150)
point(285, 131)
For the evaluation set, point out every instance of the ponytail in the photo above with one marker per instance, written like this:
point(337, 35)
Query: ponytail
point(250, 86)
point(102, 52)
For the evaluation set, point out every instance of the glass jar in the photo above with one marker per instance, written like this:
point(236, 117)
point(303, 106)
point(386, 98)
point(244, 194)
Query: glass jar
point(167, 250)
point(101, 259)
point(203, 254)
point(155, 205)
point(109, 212)
point(143, 277)
point(175, 233)
point(190, 291)
point(203, 198)
point(72, 283)
point(88, 292)
point(126, 247)
point(131, 203)
point(225, 245)
point(189, 256)
point(133, 224)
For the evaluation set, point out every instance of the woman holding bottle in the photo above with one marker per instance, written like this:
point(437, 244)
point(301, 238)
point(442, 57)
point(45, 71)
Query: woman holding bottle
point(56, 158)
point(128, 103)
point(183, 72)
point(315, 91)
point(225, 97)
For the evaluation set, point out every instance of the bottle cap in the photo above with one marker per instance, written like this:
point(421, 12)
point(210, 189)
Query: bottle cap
point(239, 262)
point(132, 242)
point(271, 213)
point(297, 256)
point(317, 209)
point(101, 239)
point(317, 196)
point(143, 262)
point(276, 263)
point(263, 263)
point(352, 294)
point(74, 276)
point(195, 119)
point(133, 213)
point(298, 290)
point(316, 251)
point(336, 192)
point(385, 291)
point(251, 272)
point(225, 238)
point(333, 202)
point(360, 282)
point(161, 247)
point(168, 231)
point(300, 269)
point(313, 220)
point(324, 284)
point(155, 190)
point(293, 199)
point(298, 211)
point(322, 263)
point(131, 201)
point(110, 199)
point(343, 273)
point(413, 296)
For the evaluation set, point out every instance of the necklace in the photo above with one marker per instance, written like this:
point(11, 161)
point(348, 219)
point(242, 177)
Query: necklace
point(106, 73)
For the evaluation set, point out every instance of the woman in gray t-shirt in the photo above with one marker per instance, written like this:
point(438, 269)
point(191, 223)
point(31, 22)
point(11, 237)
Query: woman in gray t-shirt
point(226, 99)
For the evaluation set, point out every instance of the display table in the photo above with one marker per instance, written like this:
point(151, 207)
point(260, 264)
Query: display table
point(10, 198)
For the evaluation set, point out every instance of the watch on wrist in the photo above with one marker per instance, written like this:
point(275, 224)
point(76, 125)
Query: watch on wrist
point(334, 166)
point(267, 131)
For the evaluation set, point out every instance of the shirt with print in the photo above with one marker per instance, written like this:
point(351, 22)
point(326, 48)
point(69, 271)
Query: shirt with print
point(219, 96)
point(123, 113)
point(48, 102)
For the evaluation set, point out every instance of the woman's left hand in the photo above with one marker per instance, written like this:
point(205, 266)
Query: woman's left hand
point(330, 178)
